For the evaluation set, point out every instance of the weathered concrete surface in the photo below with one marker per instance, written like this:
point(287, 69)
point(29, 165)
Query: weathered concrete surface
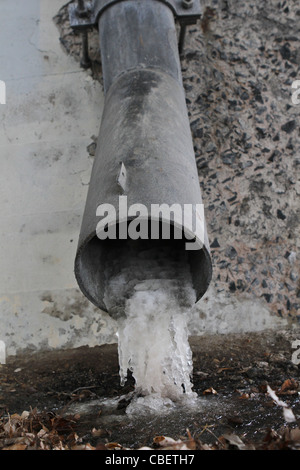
point(52, 109)
point(240, 64)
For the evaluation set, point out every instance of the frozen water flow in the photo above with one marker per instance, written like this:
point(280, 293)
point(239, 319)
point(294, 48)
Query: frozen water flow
point(150, 293)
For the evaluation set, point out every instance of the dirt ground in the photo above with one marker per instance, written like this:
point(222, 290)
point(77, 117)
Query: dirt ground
point(64, 393)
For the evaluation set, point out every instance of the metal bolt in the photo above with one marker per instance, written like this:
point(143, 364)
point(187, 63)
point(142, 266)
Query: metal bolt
point(81, 9)
point(85, 61)
point(187, 4)
point(181, 38)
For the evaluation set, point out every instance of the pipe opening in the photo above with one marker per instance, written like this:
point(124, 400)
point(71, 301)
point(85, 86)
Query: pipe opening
point(108, 270)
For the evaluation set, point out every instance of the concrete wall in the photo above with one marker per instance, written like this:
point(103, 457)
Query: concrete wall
point(52, 110)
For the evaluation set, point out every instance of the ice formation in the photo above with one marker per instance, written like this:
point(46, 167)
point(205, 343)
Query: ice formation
point(149, 291)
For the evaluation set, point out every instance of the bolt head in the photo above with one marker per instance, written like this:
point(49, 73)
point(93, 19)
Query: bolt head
point(187, 4)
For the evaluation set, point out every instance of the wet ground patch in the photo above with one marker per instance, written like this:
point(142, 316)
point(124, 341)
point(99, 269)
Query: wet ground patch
point(73, 397)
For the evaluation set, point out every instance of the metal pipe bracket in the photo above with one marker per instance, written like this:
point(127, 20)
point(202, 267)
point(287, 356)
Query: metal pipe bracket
point(185, 11)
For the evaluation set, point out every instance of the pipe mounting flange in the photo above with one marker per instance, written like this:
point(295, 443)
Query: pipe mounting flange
point(186, 11)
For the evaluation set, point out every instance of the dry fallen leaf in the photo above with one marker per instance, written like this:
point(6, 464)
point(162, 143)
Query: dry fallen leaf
point(97, 432)
point(287, 412)
point(235, 441)
point(223, 368)
point(16, 447)
point(168, 443)
point(83, 447)
point(113, 445)
point(163, 441)
point(295, 435)
point(209, 391)
point(244, 396)
point(288, 386)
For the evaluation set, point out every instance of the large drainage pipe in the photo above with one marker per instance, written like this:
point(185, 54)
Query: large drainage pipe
point(145, 149)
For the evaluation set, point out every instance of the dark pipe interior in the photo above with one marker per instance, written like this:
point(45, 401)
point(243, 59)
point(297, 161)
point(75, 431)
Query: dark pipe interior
point(97, 256)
